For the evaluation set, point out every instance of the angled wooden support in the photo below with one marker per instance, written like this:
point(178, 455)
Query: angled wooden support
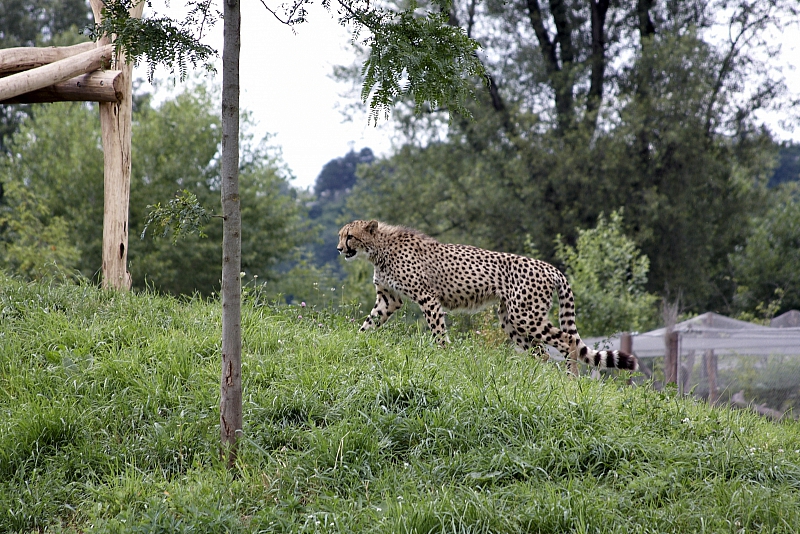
point(28, 57)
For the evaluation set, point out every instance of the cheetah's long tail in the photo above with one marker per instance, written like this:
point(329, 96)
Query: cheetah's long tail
point(614, 359)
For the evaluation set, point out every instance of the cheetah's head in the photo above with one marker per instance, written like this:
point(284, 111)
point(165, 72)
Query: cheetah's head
point(355, 238)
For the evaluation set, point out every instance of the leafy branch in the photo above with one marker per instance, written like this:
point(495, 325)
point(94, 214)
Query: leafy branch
point(161, 40)
point(183, 215)
point(411, 54)
point(420, 56)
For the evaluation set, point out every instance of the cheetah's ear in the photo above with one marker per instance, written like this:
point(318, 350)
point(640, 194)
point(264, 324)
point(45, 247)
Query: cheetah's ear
point(372, 226)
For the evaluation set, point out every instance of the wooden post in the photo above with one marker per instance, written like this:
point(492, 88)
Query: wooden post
point(626, 345)
point(671, 359)
point(115, 121)
point(710, 365)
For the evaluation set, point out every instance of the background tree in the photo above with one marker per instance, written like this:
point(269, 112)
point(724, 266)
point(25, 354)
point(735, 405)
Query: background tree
point(37, 23)
point(788, 169)
point(34, 244)
point(56, 175)
point(766, 268)
point(331, 189)
point(592, 107)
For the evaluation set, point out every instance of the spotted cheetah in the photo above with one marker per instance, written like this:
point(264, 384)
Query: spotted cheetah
point(439, 277)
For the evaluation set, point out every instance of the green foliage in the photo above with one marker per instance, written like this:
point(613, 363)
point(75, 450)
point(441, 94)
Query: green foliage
point(58, 159)
point(33, 244)
point(766, 266)
point(182, 216)
point(608, 275)
point(162, 40)
point(422, 57)
point(109, 423)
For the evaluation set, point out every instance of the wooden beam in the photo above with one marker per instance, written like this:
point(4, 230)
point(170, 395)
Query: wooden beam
point(97, 86)
point(28, 57)
point(62, 70)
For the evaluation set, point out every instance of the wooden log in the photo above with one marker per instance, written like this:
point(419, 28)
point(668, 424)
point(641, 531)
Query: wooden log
point(22, 58)
point(44, 76)
point(115, 121)
point(738, 400)
point(97, 86)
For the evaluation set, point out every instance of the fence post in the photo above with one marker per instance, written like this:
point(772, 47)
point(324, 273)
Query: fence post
point(626, 345)
point(671, 359)
point(710, 361)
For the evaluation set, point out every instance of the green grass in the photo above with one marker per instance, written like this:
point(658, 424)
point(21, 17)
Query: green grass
point(109, 423)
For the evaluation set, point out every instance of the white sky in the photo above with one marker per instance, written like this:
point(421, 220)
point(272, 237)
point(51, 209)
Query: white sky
point(285, 82)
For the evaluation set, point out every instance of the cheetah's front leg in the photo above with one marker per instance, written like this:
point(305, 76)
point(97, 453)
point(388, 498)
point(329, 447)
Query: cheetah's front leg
point(386, 303)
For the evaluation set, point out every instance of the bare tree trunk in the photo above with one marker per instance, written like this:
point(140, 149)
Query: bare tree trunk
point(230, 403)
point(598, 60)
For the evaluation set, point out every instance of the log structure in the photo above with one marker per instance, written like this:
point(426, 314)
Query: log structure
point(97, 86)
point(82, 73)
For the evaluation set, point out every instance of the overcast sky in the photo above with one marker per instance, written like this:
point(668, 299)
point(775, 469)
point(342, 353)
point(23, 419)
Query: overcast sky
point(286, 84)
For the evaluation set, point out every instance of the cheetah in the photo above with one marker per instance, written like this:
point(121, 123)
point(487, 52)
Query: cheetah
point(439, 277)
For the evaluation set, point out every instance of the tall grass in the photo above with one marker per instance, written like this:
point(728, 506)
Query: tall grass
point(109, 423)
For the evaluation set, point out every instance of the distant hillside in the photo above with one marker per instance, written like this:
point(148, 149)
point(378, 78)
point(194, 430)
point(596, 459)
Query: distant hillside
point(331, 189)
point(788, 169)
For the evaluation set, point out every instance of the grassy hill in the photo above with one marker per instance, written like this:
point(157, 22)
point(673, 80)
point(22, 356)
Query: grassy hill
point(109, 423)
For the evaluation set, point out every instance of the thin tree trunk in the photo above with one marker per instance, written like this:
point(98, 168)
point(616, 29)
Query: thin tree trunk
point(230, 404)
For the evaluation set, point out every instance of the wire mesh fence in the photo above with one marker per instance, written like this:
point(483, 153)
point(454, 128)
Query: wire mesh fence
point(724, 360)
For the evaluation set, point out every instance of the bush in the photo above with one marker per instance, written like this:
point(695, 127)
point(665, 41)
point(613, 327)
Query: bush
point(608, 275)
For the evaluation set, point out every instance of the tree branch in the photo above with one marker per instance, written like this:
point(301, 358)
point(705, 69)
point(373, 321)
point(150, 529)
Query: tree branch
point(598, 59)
point(548, 49)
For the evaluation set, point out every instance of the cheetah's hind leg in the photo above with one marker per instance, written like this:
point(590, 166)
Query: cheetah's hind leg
point(522, 342)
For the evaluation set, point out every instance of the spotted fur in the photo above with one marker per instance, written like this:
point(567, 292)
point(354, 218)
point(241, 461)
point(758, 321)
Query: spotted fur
point(440, 277)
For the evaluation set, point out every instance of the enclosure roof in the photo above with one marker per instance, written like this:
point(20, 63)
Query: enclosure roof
point(788, 319)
